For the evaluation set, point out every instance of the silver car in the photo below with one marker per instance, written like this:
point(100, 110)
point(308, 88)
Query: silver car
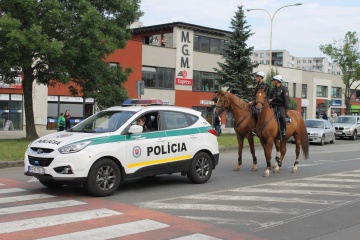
point(347, 126)
point(320, 131)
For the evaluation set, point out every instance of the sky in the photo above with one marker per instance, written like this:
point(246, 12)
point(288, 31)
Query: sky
point(297, 29)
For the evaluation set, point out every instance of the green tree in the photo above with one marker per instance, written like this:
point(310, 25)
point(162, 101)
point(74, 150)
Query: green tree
point(345, 53)
point(293, 105)
point(236, 72)
point(65, 41)
point(269, 77)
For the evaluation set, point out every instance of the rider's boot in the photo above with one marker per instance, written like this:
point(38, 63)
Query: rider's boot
point(253, 131)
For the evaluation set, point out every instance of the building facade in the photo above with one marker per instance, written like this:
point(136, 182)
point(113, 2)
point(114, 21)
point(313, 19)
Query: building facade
point(176, 61)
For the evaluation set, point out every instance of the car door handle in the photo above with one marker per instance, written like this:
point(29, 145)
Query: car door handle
point(193, 136)
point(161, 140)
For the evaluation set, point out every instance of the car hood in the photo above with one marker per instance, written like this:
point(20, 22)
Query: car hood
point(59, 139)
point(348, 125)
point(315, 130)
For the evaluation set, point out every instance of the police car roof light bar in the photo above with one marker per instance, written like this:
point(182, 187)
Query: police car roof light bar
point(141, 102)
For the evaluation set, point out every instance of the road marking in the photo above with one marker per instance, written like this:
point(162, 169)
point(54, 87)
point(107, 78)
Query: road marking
point(320, 179)
point(196, 236)
point(40, 206)
point(11, 190)
point(226, 208)
point(33, 179)
point(295, 184)
point(290, 191)
point(239, 222)
point(115, 231)
point(345, 175)
point(25, 198)
point(210, 197)
point(21, 225)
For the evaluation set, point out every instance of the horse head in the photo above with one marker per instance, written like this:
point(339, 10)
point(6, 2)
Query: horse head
point(261, 101)
point(222, 103)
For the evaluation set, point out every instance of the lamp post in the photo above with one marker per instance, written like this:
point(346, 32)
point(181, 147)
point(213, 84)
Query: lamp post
point(271, 21)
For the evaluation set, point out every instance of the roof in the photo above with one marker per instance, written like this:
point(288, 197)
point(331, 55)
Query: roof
point(170, 26)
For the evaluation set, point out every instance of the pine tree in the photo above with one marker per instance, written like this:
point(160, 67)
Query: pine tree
point(236, 72)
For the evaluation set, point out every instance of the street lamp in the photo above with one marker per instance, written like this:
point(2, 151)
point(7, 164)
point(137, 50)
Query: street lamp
point(271, 21)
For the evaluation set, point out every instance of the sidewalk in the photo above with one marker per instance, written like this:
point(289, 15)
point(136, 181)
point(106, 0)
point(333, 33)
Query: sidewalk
point(20, 163)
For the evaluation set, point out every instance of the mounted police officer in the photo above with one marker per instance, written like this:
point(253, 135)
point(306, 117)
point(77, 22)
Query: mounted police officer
point(279, 97)
point(260, 84)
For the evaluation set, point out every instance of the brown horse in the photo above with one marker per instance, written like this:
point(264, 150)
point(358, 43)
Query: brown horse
point(242, 122)
point(267, 129)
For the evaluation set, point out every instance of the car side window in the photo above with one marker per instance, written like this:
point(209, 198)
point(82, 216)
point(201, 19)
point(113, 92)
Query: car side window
point(176, 120)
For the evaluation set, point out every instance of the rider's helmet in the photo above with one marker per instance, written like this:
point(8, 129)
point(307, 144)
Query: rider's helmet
point(278, 78)
point(261, 74)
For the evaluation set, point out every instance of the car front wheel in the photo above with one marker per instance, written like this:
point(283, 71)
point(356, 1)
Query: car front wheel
point(200, 169)
point(354, 136)
point(322, 141)
point(333, 139)
point(104, 178)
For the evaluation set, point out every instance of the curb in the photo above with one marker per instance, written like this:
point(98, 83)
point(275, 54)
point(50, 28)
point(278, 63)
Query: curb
point(20, 163)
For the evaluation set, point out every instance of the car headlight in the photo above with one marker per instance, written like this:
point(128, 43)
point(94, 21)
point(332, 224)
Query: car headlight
point(73, 148)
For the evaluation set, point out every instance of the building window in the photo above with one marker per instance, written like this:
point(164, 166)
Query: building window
point(304, 61)
point(11, 112)
point(294, 89)
point(256, 54)
point(205, 81)
point(209, 45)
point(304, 91)
point(267, 61)
point(267, 54)
point(321, 91)
point(261, 55)
point(262, 61)
point(158, 77)
point(298, 61)
point(336, 92)
point(309, 61)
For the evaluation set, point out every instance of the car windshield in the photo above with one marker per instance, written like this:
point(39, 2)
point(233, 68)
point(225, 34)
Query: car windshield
point(106, 121)
point(350, 120)
point(314, 124)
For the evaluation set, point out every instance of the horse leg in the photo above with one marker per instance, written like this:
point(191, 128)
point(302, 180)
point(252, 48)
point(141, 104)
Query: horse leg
point(297, 153)
point(240, 148)
point(267, 150)
point(252, 150)
point(277, 158)
point(283, 152)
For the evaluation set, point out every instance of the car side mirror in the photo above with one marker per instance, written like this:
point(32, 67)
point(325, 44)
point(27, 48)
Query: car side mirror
point(135, 129)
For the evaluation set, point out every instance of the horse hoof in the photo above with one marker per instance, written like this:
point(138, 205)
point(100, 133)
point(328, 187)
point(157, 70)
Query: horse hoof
point(236, 169)
point(294, 171)
point(254, 169)
point(266, 174)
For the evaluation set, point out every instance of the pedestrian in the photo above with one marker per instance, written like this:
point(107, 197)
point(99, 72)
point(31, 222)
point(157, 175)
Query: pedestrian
point(163, 41)
point(217, 125)
point(61, 123)
point(67, 119)
point(260, 84)
point(279, 97)
point(333, 116)
point(325, 116)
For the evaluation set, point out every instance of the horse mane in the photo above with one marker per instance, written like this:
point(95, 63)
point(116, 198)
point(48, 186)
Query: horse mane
point(236, 100)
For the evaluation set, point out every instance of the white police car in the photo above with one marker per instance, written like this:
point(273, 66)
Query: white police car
point(109, 147)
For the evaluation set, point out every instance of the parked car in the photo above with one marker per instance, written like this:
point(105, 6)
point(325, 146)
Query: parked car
point(110, 147)
point(347, 126)
point(320, 131)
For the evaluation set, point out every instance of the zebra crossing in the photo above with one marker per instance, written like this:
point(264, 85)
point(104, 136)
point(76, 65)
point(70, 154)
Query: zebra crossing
point(253, 208)
point(27, 214)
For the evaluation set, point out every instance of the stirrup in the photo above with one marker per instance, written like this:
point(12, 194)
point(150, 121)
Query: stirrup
point(253, 131)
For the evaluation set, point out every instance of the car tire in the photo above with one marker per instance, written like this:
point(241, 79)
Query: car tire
point(200, 169)
point(354, 136)
point(322, 141)
point(104, 178)
point(51, 184)
point(333, 139)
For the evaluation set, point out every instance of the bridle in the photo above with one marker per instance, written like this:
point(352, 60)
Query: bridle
point(222, 107)
point(259, 110)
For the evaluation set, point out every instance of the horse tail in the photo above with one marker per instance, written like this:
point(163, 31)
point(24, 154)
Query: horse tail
point(304, 138)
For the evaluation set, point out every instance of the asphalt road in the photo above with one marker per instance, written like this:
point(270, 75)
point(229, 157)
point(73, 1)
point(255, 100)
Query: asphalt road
point(321, 201)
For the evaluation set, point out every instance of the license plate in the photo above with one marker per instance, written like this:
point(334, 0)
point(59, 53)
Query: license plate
point(35, 169)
